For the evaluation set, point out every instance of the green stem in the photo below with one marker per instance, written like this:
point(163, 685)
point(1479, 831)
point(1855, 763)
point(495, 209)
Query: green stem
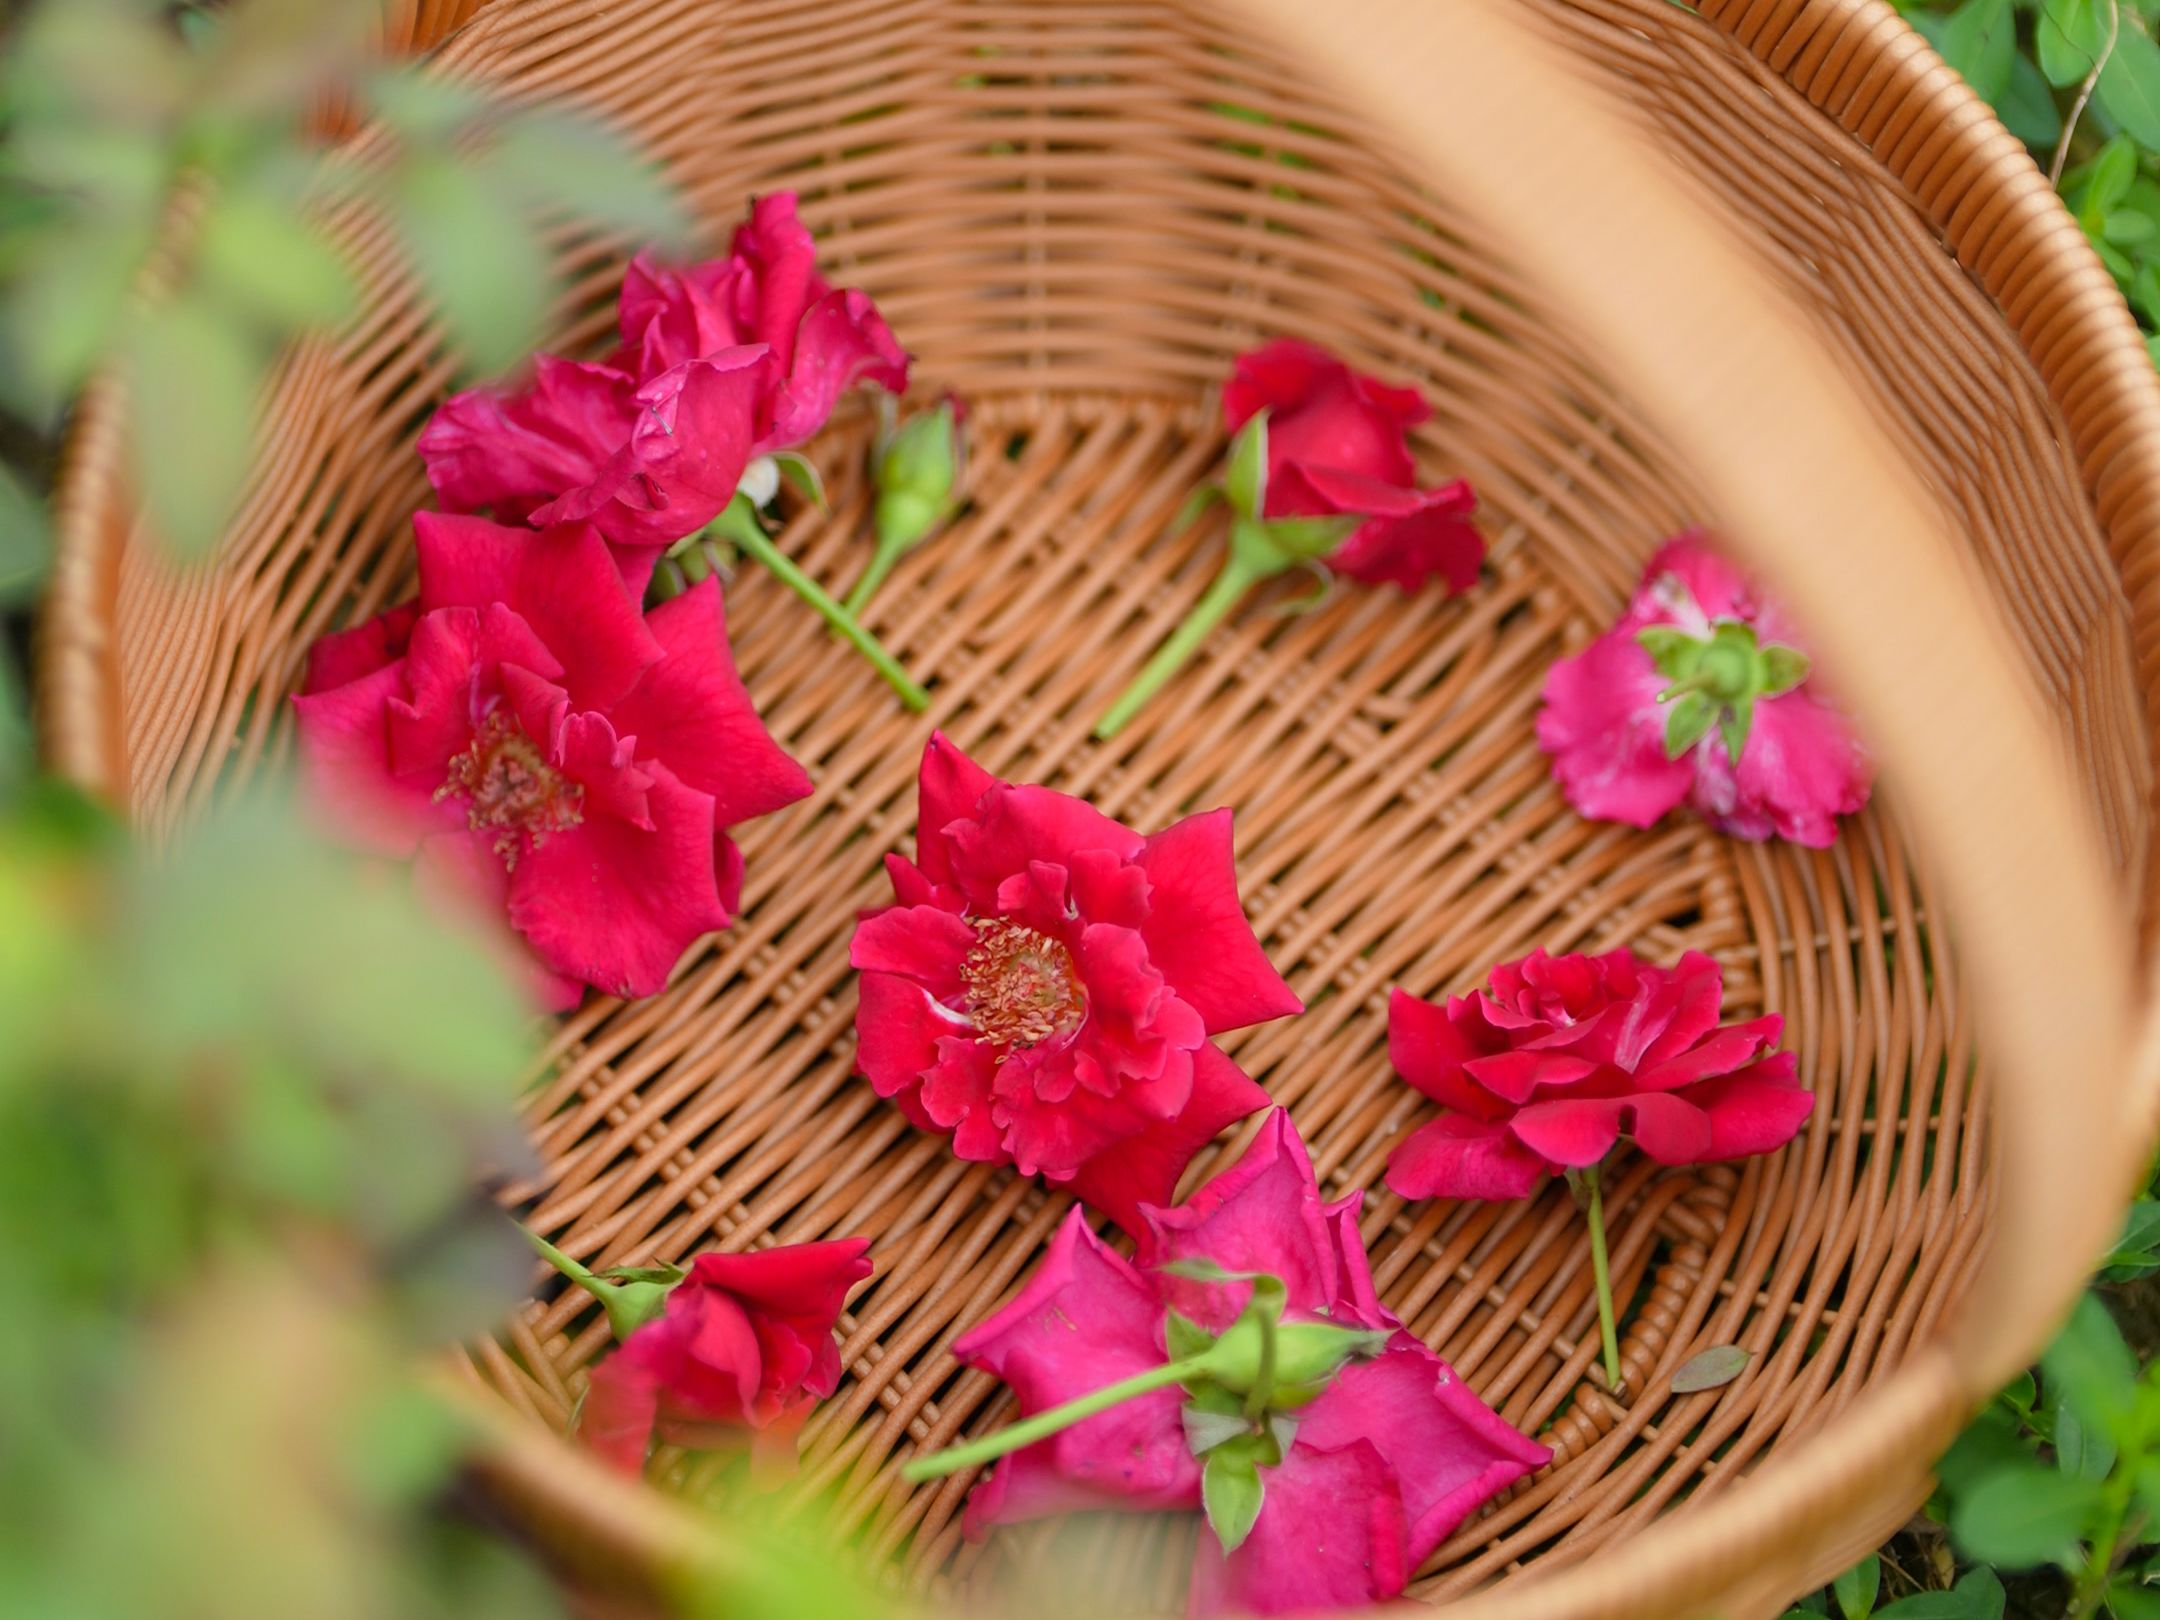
point(1044, 1424)
point(598, 1287)
point(2090, 1590)
point(739, 524)
point(1238, 576)
point(1601, 1269)
point(881, 564)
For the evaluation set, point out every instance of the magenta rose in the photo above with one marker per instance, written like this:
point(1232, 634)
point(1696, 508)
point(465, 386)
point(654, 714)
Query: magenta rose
point(1380, 1466)
point(1701, 695)
point(531, 735)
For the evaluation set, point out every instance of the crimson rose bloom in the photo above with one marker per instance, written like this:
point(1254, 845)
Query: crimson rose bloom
point(746, 1342)
point(1047, 984)
point(1567, 1054)
point(529, 733)
point(1337, 447)
point(719, 363)
point(1393, 1455)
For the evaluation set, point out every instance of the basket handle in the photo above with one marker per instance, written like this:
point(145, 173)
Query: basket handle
point(1802, 481)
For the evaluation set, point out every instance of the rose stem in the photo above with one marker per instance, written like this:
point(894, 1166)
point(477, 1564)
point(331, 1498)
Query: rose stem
point(751, 537)
point(598, 1287)
point(881, 564)
point(1602, 1271)
point(1237, 577)
point(1044, 1424)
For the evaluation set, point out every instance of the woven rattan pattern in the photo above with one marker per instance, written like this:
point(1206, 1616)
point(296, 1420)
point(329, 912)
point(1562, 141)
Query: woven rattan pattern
point(1075, 213)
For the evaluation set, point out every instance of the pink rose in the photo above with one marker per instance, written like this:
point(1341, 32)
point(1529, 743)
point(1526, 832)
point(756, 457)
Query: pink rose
point(746, 1342)
point(1338, 447)
point(1565, 1055)
point(1047, 986)
point(1389, 1458)
point(531, 735)
point(1700, 695)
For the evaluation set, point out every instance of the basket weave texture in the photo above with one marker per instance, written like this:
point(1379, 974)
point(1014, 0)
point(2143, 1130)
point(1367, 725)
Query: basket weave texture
point(1075, 212)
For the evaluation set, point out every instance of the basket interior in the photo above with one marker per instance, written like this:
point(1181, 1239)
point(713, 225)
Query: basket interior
point(1075, 213)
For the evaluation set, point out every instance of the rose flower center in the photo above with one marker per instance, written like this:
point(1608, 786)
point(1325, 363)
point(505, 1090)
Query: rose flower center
point(1022, 989)
point(510, 790)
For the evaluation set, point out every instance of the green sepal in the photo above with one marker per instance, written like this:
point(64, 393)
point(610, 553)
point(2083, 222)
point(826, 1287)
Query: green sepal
point(1687, 722)
point(1303, 539)
point(1183, 1337)
point(1232, 1493)
point(1734, 723)
point(800, 474)
point(631, 1305)
point(1206, 1429)
point(666, 1276)
point(1194, 506)
point(1245, 481)
point(1783, 669)
point(1673, 652)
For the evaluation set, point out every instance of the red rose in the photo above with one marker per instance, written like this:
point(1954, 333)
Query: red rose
point(1048, 983)
point(1567, 1054)
point(746, 1342)
point(1338, 447)
point(529, 733)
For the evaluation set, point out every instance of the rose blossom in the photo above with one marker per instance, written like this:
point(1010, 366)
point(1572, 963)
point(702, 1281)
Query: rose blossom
point(531, 734)
point(1391, 1456)
point(1338, 447)
point(1564, 1055)
point(1047, 984)
point(746, 1341)
point(718, 363)
point(1700, 694)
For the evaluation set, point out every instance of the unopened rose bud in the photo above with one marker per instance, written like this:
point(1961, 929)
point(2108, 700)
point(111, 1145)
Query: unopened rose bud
point(919, 468)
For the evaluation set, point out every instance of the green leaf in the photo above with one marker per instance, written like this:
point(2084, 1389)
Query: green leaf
point(1711, 1369)
point(265, 259)
point(196, 375)
point(2021, 1516)
point(2130, 85)
point(1979, 1596)
point(1245, 483)
point(1231, 1491)
point(2027, 105)
point(1689, 721)
point(1857, 1589)
point(2068, 38)
point(555, 158)
point(2127, 1599)
point(2112, 172)
point(2139, 1244)
point(479, 257)
point(2126, 229)
point(2080, 1449)
point(2089, 1370)
point(25, 543)
point(1980, 41)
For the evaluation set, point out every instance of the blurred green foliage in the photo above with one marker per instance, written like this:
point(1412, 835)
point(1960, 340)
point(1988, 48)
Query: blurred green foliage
point(127, 125)
point(2078, 81)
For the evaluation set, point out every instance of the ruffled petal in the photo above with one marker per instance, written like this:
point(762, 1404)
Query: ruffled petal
point(346, 655)
point(1605, 731)
point(807, 1281)
point(923, 943)
point(1450, 1453)
point(1331, 1535)
point(897, 1030)
point(1802, 768)
point(1458, 1157)
point(1014, 825)
point(1575, 1131)
point(1145, 1169)
point(510, 450)
point(1755, 1111)
point(1428, 1044)
point(1262, 1214)
point(842, 341)
point(949, 788)
point(1196, 931)
point(692, 713)
point(1084, 1319)
point(616, 905)
point(345, 757)
point(1436, 541)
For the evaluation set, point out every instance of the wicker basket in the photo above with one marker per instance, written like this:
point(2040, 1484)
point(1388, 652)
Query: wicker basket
point(1848, 324)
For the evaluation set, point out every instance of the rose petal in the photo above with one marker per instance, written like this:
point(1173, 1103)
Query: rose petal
point(345, 655)
point(1605, 730)
point(1458, 1157)
point(949, 789)
point(513, 449)
point(1145, 1169)
point(1331, 1535)
point(1575, 1132)
point(1196, 930)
